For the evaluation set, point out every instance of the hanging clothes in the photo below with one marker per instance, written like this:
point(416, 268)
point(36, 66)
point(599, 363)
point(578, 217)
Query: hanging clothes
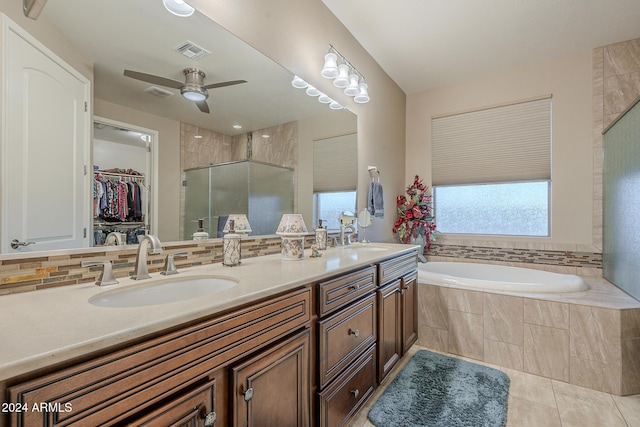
point(118, 198)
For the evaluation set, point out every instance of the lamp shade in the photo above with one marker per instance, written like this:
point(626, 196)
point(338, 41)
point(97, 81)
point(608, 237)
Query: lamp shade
point(363, 96)
point(324, 99)
point(330, 69)
point(353, 89)
point(312, 91)
point(291, 225)
point(342, 80)
point(178, 8)
point(334, 105)
point(299, 83)
point(240, 224)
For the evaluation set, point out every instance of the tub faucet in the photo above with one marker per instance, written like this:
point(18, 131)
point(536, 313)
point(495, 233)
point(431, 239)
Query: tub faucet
point(343, 233)
point(141, 271)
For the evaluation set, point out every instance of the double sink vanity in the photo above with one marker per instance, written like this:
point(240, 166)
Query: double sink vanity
point(266, 343)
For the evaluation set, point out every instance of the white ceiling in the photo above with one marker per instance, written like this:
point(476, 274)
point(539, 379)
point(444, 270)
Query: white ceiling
point(140, 35)
point(424, 44)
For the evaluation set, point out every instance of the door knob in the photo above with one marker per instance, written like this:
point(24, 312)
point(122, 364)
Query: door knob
point(15, 243)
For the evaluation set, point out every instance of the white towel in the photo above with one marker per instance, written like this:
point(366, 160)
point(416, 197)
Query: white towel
point(375, 200)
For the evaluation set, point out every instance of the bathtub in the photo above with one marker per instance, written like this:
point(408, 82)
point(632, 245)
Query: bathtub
point(498, 277)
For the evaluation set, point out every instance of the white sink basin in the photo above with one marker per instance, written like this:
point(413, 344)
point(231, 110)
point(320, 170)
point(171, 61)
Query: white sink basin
point(162, 291)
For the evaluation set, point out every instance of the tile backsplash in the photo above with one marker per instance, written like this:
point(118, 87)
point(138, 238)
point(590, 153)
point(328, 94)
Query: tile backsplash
point(23, 273)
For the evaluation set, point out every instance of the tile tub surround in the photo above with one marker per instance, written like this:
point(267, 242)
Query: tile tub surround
point(42, 270)
point(590, 339)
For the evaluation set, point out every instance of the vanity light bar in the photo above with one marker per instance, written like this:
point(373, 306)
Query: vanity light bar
point(299, 83)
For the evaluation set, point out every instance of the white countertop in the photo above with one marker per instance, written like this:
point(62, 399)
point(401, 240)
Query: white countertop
point(46, 327)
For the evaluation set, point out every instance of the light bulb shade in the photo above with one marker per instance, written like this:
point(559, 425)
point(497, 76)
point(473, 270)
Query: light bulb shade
point(298, 83)
point(194, 93)
point(334, 105)
point(324, 99)
point(363, 96)
point(342, 80)
point(312, 91)
point(178, 8)
point(291, 225)
point(240, 224)
point(353, 89)
point(330, 69)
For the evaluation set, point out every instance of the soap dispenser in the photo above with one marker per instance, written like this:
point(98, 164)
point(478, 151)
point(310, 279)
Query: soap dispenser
point(321, 236)
point(200, 234)
point(231, 246)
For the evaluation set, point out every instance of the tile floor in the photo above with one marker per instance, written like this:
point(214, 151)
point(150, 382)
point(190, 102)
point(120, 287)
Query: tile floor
point(541, 402)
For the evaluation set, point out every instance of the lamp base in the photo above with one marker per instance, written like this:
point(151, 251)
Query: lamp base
point(292, 248)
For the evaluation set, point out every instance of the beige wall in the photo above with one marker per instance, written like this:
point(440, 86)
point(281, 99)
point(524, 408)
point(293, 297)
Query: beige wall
point(297, 34)
point(169, 175)
point(569, 80)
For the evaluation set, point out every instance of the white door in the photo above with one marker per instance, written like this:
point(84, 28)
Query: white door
point(45, 144)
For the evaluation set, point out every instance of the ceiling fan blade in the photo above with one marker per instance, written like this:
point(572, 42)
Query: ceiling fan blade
point(223, 84)
point(203, 106)
point(156, 80)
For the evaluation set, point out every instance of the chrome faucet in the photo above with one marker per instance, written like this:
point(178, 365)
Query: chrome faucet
point(343, 234)
point(107, 277)
point(141, 271)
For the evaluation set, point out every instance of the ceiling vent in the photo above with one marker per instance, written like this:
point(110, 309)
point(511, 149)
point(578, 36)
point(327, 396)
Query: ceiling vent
point(159, 92)
point(191, 50)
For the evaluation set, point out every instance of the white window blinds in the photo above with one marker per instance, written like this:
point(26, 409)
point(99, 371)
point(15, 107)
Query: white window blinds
point(335, 164)
point(508, 143)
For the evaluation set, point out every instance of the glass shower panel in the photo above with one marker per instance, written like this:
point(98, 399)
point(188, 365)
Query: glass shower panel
point(621, 232)
point(196, 201)
point(270, 195)
point(229, 193)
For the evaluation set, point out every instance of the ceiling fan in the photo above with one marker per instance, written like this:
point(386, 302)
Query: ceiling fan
point(193, 87)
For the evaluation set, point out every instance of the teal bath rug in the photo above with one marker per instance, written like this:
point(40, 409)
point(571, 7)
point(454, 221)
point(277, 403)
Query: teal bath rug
point(437, 390)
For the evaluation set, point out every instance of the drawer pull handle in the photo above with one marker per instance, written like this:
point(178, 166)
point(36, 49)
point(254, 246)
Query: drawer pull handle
point(355, 393)
point(354, 332)
point(354, 288)
point(248, 394)
point(210, 419)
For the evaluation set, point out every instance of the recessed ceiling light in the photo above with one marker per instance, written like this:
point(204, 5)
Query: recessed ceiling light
point(197, 136)
point(237, 127)
point(178, 8)
point(264, 135)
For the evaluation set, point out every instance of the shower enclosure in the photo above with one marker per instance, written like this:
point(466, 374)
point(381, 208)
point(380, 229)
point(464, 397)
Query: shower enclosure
point(621, 231)
point(261, 191)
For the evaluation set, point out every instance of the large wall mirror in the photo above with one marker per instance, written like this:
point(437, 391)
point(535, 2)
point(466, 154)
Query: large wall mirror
point(263, 119)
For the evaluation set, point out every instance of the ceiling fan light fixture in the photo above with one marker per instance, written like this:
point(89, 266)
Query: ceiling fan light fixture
point(196, 94)
point(178, 8)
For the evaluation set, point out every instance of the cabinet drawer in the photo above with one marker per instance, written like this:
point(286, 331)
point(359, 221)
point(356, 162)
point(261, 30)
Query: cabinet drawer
point(397, 267)
point(111, 388)
point(195, 408)
point(338, 292)
point(343, 337)
point(349, 392)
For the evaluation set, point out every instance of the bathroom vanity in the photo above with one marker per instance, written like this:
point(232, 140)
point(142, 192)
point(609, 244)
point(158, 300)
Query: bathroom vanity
point(295, 343)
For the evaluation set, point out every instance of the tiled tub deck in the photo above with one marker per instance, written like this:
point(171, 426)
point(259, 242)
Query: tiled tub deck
point(590, 339)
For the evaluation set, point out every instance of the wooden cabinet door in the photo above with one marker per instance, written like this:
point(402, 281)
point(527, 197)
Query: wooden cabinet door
point(272, 387)
point(409, 312)
point(389, 327)
point(190, 409)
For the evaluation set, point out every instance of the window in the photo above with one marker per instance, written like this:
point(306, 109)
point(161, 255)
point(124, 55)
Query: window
point(335, 178)
point(491, 170)
point(329, 206)
point(520, 209)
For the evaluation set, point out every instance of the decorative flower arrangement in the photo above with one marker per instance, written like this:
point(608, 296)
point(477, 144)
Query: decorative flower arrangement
point(415, 214)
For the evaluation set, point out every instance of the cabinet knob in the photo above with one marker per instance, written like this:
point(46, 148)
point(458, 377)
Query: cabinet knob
point(355, 392)
point(354, 332)
point(354, 288)
point(210, 419)
point(248, 394)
